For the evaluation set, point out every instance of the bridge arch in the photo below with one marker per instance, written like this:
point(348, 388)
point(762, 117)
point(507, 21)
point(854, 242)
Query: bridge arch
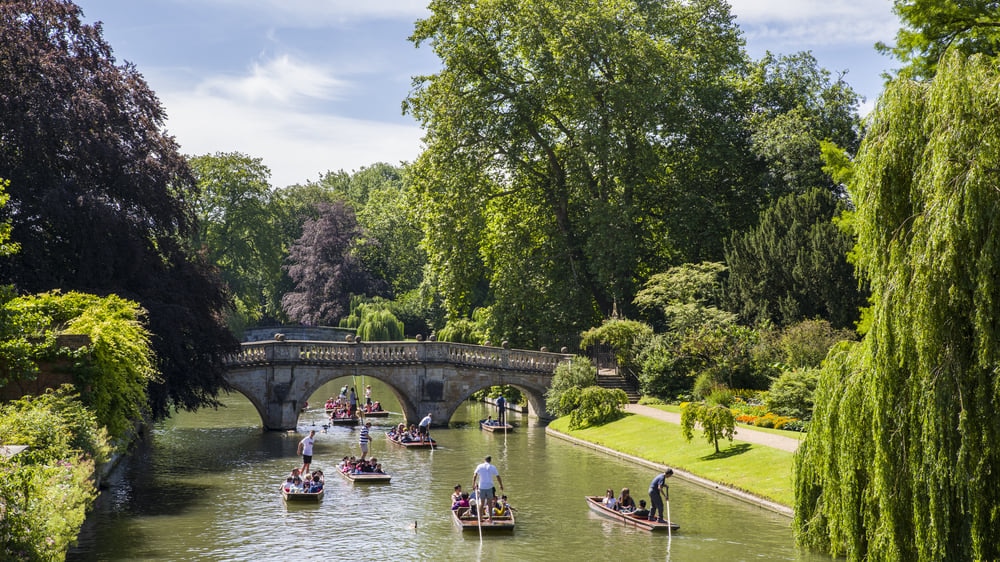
point(426, 377)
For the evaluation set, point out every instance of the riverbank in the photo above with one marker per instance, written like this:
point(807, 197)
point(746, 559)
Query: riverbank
point(756, 468)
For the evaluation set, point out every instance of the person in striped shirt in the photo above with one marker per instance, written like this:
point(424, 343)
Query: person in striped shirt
point(365, 439)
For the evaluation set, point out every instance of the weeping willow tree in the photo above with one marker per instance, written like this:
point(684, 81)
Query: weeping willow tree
point(903, 459)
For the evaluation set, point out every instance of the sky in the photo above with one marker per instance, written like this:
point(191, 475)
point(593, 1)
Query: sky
point(311, 86)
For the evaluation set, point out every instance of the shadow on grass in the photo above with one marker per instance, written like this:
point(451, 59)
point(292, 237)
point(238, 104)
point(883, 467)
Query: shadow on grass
point(731, 451)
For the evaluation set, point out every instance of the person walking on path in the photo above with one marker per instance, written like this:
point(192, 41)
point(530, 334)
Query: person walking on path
point(306, 450)
point(501, 410)
point(365, 438)
point(658, 490)
point(483, 477)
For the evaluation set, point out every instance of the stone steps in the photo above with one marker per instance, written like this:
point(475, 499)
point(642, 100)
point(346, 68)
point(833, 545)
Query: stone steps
point(606, 379)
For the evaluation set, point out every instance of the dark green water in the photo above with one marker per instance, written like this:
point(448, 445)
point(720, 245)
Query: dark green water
point(204, 487)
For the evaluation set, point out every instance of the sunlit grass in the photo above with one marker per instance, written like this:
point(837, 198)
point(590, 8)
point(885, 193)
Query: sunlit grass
point(759, 470)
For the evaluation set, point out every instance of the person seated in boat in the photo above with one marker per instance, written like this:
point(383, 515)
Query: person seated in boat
point(462, 501)
point(502, 508)
point(296, 485)
point(287, 486)
point(377, 407)
point(610, 500)
point(330, 404)
point(625, 502)
point(457, 494)
point(378, 468)
point(490, 421)
point(642, 512)
point(316, 485)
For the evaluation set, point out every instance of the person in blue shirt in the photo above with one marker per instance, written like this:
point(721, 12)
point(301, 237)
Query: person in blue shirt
point(501, 410)
point(658, 491)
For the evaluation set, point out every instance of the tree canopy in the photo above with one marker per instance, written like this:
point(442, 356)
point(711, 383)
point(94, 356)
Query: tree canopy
point(930, 27)
point(793, 264)
point(238, 229)
point(900, 461)
point(552, 135)
point(575, 149)
point(98, 192)
point(324, 268)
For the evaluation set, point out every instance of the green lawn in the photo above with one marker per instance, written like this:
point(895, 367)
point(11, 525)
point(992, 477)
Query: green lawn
point(756, 469)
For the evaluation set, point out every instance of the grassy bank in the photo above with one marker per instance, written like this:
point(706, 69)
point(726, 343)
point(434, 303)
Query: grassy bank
point(759, 470)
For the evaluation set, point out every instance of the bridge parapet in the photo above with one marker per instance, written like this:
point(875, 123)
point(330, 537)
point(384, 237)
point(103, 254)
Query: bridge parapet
point(395, 353)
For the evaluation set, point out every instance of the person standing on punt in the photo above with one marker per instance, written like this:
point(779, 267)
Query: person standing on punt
point(658, 490)
point(483, 478)
point(365, 439)
point(501, 410)
point(424, 429)
point(353, 401)
point(306, 450)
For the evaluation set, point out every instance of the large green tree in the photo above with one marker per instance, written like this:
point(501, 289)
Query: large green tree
point(562, 140)
point(797, 105)
point(901, 459)
point(793, 264)
point(932, 26)
point(98, 192)
point(238, 229)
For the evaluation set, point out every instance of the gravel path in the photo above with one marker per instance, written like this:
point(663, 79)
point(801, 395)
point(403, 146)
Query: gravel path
point(742, 433)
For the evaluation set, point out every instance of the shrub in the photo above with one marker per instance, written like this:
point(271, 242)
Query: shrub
point(593, 405)
point(576, 374)
point(791, 394)
point(47, 490)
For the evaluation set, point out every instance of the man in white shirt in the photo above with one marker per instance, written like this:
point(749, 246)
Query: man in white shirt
point(483, 478)
point(424, 429)
point(306, 450)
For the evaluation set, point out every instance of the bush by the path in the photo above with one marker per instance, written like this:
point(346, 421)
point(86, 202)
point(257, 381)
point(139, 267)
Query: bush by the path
point(46, 490)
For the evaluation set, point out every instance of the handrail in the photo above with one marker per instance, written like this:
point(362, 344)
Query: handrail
point(393, 353)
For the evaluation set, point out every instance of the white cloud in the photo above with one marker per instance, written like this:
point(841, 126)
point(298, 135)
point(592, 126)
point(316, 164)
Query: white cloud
point(312, 13)
point(817, 22)
point(258, 115)
point(281, 80)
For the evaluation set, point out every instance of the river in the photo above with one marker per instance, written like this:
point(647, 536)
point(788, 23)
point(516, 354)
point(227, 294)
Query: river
point(204, 486)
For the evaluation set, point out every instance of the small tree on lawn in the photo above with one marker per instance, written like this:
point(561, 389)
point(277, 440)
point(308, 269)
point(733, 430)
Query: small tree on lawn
point(714, 415)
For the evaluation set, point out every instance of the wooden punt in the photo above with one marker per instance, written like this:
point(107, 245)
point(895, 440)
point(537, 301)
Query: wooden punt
point(627, 519)
point(465, 518)
point(413, 444)
point(346, 420)
point(378, 414)
point(367, 477)
point(495, 427)
point(313, 497)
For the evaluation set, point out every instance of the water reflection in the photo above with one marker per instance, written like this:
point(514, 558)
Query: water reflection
point(204, 487)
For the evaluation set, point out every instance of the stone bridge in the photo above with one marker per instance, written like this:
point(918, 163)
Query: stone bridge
point(426, 377)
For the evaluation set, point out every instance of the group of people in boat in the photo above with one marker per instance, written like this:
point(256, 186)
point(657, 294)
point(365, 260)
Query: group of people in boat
point(295, 483)
point(658, 491)
point(461, 500)
point(491, 421)
point(345, 405)
point(625, 503)
point(352, 465)
point(413, 434)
